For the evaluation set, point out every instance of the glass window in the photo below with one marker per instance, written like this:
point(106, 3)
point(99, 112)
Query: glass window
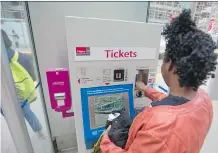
point(18, 46)
point(169, 3)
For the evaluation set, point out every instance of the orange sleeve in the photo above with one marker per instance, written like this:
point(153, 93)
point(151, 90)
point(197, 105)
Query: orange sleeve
point(145, 142)
point(154, 94)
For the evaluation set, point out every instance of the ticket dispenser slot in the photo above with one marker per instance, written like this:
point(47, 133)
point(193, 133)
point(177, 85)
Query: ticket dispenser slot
point(60, 98)
point(59, 91)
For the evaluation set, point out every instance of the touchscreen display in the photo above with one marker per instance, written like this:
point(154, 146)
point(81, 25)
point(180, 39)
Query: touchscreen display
point(101, 106)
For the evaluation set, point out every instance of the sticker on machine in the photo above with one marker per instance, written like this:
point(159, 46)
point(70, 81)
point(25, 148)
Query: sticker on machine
point(113, 53)
point(86, 76)
point(85, 80)
point(107, 76)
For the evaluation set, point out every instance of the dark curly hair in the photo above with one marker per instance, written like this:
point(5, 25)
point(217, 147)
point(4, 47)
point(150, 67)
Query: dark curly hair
point(191, 51)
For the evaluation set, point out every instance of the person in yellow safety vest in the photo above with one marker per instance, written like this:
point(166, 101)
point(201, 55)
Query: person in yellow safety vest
point(24, 76)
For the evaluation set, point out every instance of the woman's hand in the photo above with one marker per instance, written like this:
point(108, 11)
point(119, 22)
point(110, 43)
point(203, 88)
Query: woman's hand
point(140, 86)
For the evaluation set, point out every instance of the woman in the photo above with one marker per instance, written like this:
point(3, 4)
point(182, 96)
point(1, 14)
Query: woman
point(179, 122)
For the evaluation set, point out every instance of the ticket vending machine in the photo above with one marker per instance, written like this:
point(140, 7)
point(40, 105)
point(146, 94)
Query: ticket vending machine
point(106, 57)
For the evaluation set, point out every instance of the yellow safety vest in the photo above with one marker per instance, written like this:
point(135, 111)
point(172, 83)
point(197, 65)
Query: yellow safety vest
point(23, 81)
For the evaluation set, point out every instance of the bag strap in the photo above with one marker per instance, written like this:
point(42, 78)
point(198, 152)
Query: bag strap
point(97, 145)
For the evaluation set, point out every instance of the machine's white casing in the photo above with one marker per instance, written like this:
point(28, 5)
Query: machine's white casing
point(100, 34)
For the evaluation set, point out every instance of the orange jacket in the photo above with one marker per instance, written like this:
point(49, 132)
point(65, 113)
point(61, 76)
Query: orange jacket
point(167, 129)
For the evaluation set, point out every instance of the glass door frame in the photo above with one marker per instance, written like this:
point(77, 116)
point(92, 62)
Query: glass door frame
point(32, 46)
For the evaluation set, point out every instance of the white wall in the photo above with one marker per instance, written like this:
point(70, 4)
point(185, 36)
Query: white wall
point(48, 25)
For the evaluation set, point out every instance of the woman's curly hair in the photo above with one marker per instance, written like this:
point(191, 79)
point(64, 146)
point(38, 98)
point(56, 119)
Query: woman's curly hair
point(191, 51)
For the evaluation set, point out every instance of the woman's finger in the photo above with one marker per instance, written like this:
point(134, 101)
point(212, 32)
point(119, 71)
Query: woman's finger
point(108, 129)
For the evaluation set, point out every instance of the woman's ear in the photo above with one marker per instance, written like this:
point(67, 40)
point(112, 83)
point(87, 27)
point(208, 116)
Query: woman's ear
point(170, 65)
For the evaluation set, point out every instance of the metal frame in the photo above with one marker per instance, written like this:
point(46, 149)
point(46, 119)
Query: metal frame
point(32, 45)
point(12, 111)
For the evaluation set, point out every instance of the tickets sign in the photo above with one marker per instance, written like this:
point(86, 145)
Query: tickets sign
point(113, 53)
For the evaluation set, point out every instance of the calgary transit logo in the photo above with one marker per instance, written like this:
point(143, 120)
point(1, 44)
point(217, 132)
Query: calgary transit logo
point(82, 51)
